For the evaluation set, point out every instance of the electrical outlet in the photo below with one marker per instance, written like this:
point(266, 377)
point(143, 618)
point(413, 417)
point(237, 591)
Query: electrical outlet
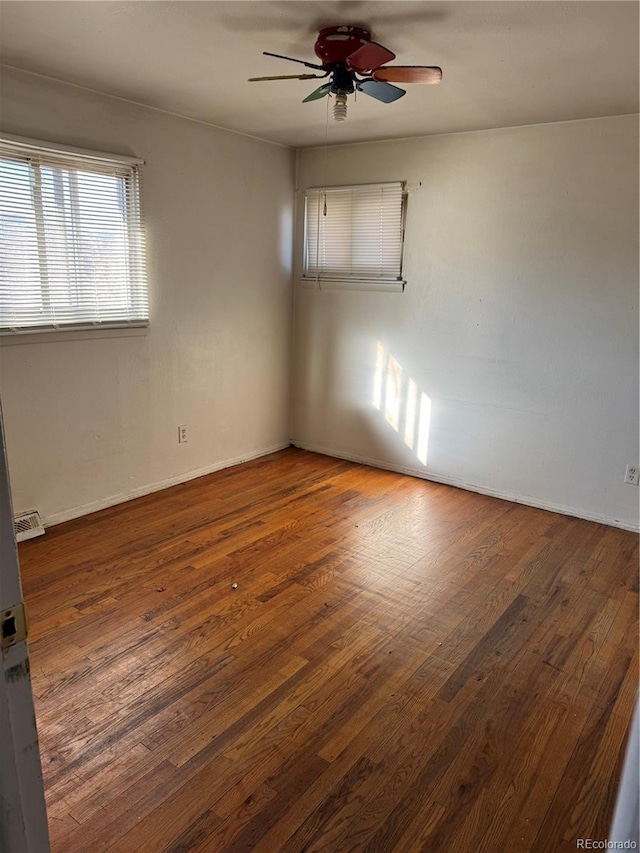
point(182, 435)
point(631, 475)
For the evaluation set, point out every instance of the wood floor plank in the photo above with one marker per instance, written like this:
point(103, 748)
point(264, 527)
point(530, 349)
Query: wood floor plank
point(402, 666)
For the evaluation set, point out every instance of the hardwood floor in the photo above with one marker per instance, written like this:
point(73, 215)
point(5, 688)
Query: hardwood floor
point(403, 666)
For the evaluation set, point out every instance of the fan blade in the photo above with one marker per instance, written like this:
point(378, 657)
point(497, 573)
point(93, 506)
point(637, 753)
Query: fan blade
point(302, 62)
point(409, 74)
point(289, 77)
point(320, 92)
point(384, 92)
point(369, 56)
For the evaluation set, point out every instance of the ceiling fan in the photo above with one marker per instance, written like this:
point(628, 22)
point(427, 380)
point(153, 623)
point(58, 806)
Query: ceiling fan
point(353, 62)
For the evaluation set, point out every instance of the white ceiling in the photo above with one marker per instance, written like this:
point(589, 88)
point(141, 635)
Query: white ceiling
point(504, 63)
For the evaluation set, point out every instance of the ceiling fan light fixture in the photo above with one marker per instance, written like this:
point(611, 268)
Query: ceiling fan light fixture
point(340, 106)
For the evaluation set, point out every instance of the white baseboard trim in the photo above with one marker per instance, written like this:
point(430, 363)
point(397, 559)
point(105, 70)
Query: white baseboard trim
point(113, 500)
point(94, 506)
point(470, 487)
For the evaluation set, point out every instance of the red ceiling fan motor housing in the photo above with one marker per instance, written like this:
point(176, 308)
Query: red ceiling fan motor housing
point(335, 44)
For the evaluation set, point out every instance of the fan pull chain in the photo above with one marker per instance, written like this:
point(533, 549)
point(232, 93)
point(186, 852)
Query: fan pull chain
point(324, 197)
point(326, 151)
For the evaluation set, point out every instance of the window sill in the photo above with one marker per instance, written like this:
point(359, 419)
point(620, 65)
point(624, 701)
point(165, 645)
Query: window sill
point(77, 333)
point(354, 284)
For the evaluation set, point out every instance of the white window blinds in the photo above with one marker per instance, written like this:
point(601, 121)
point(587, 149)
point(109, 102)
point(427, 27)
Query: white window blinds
point(354, 233)
point(71, 241)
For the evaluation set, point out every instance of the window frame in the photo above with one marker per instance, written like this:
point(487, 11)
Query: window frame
point(336, 282)
point(19, 148)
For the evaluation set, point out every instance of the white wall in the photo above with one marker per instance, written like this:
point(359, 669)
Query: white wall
point(519, 320)
point(94, 419)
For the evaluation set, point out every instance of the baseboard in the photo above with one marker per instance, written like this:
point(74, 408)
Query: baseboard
point(470, 487)
point(113, 500)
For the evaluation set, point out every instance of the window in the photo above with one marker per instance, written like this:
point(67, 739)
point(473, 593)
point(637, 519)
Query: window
point(71, 241)
point(354, 235)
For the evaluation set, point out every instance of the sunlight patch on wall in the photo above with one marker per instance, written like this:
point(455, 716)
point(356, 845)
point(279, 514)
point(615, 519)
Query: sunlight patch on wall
point(410, 419)
point(394, 391)
point(388, 386)
point(423, 429)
